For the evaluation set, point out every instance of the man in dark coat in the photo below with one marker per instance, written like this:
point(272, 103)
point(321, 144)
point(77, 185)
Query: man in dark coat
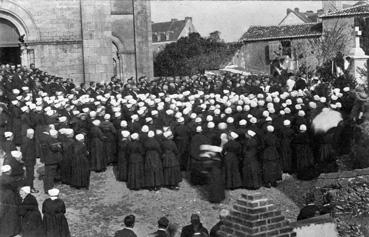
point(162, 231)
point(129, 222)
point(222, 215)
point(28, 149)
point(52, 159)
point(194, 227)
point(31, 220)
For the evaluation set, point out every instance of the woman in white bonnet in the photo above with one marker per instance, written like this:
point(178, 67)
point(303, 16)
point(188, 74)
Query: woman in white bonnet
point(80, 175)
point(30, 214)
point(54, 220)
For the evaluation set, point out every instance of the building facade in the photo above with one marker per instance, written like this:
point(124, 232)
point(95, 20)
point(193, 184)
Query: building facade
point(86, 40)
point(164, 33)
point(294, 45)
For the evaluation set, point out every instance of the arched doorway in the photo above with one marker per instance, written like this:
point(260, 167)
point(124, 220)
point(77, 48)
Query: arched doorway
point(9, 43)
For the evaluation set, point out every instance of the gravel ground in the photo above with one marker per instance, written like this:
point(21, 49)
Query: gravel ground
point(100, 210)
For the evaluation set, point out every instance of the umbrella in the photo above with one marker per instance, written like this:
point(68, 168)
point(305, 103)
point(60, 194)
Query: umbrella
point(326, 120)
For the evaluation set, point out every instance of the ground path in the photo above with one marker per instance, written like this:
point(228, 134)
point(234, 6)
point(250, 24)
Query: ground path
point(99, 211)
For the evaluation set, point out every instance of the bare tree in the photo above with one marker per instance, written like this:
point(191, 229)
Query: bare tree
point(330, 43)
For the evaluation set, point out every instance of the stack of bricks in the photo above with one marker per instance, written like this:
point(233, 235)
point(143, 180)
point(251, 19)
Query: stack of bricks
point(255, 216)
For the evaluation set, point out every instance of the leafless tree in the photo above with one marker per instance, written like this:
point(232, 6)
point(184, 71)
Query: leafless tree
point(331, 42)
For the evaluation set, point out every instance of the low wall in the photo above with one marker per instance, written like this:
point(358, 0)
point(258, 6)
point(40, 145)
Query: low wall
point(321, 226)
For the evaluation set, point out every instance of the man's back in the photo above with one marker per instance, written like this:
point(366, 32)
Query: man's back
point(125, 233)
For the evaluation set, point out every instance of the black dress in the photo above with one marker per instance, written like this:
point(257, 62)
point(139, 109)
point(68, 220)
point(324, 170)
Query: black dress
point(153, 164)
point(232, 153)
point(122, 168)
point(80, 166)
point(251, 168)
point(31, 218)
point(171, 166)
point(10, 221)
point(135, 179)
point(54, 221)
point(272, 171)
point(216, 186)
point(97, 155)
point(66, 162)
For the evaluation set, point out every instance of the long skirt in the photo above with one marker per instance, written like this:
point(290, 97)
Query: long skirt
point(251, 172)
point(122, 167)
point(135, 178)
point(216, 186)
point(232, 171)
point(153, 170)
point(80, 173)
point(171, 169)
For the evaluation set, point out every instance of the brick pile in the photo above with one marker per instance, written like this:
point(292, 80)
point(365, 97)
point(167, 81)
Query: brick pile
point(253, 215)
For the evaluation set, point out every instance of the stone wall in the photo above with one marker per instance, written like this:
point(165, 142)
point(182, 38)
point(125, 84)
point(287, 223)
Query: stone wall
point(253, 57)
point(97, 44)
point(317, 226)
point(254, 215)
point(69, 41)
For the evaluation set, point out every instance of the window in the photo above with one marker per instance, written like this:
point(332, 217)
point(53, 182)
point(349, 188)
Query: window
point(286, 48)
point(154, 37)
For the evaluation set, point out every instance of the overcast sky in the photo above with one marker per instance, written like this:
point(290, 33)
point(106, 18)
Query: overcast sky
point(231, 18)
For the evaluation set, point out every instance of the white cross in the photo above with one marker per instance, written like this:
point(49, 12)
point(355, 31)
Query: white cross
point(357, 37)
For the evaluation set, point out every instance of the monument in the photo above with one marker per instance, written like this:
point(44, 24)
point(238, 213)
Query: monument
point(358, 59)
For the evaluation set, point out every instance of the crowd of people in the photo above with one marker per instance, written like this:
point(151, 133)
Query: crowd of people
point(226, 131)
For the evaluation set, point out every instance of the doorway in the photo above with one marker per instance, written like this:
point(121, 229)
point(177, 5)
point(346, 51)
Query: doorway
point(9, 43)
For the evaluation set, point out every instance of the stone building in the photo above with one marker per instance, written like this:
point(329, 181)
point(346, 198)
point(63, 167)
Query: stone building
point(87, 40)
point(164, 33)
point(290, 43)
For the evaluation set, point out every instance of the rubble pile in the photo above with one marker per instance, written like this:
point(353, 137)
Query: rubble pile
point(351, 206)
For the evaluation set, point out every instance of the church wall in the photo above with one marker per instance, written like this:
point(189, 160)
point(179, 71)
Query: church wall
point(143, 38)
point(59, 47)
point(97, 43)
point(77, 43)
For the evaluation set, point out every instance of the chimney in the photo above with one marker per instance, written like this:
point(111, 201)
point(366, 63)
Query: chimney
point(288, 11)
point(187, 18)
point(174, 19)
point(297, 9)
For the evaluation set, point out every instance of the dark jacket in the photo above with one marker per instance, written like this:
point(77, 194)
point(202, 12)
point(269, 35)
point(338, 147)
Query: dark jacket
point(125, 233)
point(308, 211)
point(54, 152)
point(188, 230)
point(160, 233)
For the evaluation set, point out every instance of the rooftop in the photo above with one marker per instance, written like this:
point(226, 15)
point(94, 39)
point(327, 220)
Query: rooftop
point(361, 8)
point(261, 33)
point(174, 27)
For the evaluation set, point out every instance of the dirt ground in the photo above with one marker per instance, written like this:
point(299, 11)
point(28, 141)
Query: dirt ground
point(100, 211)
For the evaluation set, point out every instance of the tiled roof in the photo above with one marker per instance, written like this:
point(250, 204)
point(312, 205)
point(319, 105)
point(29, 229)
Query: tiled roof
point(175, 28)
point(260, 33)
point(360, 9)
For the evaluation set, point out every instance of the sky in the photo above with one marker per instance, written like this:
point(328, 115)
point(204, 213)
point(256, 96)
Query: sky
point(231, 18)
